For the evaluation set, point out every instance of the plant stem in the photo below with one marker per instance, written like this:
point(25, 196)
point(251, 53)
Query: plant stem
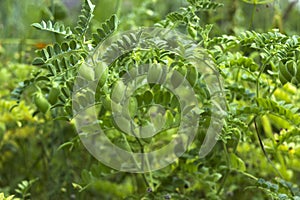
point(263, 148)
point(260, 73)
point(118, 7)
point(251, 26)
point(227, 171)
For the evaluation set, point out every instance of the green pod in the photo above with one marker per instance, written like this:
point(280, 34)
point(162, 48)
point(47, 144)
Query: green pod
point(103, 78)
point(192, 31)
point(282, 79)
point(106, 102)
point(284, 72)
point(132, 106)
point(53, 95)
point(192, 75)
point(118, 92)
point(87, 73)
point(41, 102)
point(176, 79)
point(154, 74)
point(291, 68)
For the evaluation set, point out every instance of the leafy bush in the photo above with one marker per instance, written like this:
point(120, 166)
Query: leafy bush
point(257, 153)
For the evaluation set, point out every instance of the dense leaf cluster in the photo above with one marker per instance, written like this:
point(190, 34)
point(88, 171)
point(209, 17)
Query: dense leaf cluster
point(258, 147)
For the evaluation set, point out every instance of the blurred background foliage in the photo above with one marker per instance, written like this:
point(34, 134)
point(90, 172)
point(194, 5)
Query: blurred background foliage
point(34, 164)
point(19, 38)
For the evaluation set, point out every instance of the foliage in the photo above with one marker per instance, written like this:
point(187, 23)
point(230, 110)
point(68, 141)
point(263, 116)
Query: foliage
point(258, 150)
point(2, 197)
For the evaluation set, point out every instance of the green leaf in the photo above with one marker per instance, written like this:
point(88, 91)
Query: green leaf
point(108, 27)
point(277, 109)
point(38, 61)
point(85, 18)
point(237, 163)
point(57, 28)
point(205, 5)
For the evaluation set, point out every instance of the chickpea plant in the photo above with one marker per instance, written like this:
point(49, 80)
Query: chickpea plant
point(261, 73)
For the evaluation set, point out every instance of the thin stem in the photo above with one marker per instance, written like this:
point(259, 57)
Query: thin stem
point(142, 151)
point(263, 148)
point(252, 17)
point(227, 171)
point(260, 73)
point(224, 96)
point(135, 161)
point(249, 175)
point(118, 7)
